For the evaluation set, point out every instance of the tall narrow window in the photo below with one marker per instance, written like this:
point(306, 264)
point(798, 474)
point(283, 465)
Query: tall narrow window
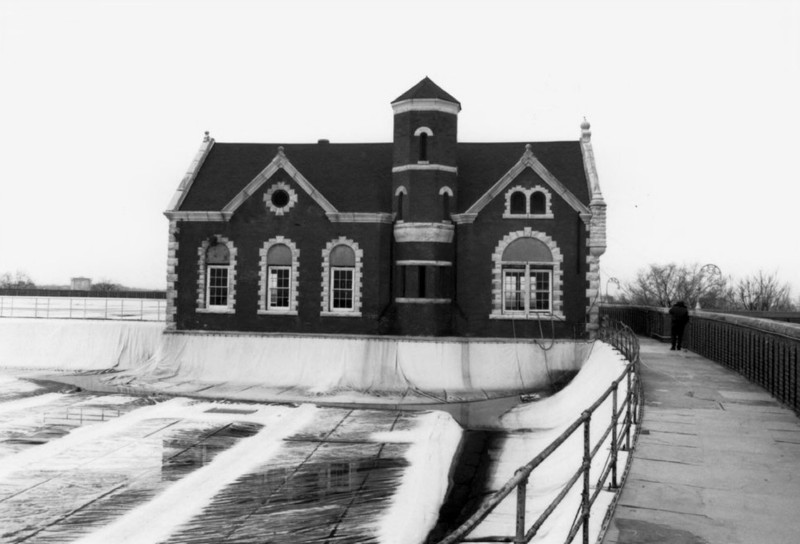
point(423, 146)
point(445, 206)
point(342, 281)
point(279, 274)
point(217, 276)
point(400, 206)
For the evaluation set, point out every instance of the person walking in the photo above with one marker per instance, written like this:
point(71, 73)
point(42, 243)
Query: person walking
point(680, 317)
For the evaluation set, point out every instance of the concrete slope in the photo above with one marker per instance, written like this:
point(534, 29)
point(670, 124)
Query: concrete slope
point(717, 461)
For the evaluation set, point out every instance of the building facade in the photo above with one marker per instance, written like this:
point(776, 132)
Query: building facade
point(423, 236)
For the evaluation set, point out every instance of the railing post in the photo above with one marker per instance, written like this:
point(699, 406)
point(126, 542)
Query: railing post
point(521, 498)
point(36, 307)
point(628, 418)
point(587, 465)
point(614, 435)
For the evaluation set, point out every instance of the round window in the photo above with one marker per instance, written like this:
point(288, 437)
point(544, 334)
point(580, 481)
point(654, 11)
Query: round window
point(280, 198)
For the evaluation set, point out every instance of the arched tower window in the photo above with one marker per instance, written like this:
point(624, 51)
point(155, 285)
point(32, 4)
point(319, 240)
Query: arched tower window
point(423, 147)
point(446, 194)
point(399, 197)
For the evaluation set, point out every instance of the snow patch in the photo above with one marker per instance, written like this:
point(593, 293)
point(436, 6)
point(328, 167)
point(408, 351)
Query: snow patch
point(434, 440)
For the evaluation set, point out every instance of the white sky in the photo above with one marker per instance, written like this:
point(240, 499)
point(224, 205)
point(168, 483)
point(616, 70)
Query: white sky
point(694, 112)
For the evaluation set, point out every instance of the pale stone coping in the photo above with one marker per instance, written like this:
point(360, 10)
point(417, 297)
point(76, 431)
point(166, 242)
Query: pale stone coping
point(424, 232)
point(191, 174)
point(359, 217)
point(528, 160)
point(202, 288)
point(590, 168)
point(215, 310)
point(426, 104)
point(276, 312)
point(262, 275)
point(423, 130)
point(412, 262)
point(279, 162)
point(197, 216)
point(528, 216)
point(412, 300)
point(340, 314)
point(464, 218)
point(326, 277)
point(280, 186)
point(538, 316)
point(425, 166)
point(556, 288)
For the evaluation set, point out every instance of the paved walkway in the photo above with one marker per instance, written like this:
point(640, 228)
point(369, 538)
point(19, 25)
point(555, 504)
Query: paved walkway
point(718, 460)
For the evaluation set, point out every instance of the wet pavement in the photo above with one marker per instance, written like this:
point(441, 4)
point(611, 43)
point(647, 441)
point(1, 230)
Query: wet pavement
point(78, 466)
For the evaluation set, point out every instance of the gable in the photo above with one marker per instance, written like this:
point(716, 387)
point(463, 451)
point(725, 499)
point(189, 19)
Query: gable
point(529, 161)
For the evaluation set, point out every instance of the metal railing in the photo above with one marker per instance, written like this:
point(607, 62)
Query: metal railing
point(764, 351)
point(622, 428)
point(56, 307)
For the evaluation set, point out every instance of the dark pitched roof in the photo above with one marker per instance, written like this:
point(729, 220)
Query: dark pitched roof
point(480, 165)
point(358, 177)
point(353, 177)
point(426, 89)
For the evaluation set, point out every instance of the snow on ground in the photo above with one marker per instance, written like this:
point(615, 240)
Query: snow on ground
point(531, 428)
point(434, 442)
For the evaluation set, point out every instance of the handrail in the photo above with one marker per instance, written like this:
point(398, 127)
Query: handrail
point(622, 338)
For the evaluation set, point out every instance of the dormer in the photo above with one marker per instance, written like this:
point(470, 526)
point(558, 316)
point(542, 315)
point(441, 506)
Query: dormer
point(425, 126)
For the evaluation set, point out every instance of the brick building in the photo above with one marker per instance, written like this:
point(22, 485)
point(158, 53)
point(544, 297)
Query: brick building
point(421, 236)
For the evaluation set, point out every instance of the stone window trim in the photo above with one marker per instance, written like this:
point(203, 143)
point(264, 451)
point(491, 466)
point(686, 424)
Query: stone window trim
point(557, 278)
point(528, 192)
point(263, 280)
point(423, 130)
point(202, 288)
point(326, 279)
point(280, 186)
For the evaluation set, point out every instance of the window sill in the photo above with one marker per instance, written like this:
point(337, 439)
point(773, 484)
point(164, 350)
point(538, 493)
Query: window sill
point(533, 316)
point(528, 216)
point(340, 314)
point(215, 311)
point(409, 300)
point(277, 312)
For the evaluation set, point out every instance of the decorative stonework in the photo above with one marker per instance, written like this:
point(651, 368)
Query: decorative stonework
point(202, 306)
point(548, 214)
point(497, 276)
point(172, 275)
point(424, 232)
point(326, 278)
point(263, 307)
point(269, 197)
point(423, 130)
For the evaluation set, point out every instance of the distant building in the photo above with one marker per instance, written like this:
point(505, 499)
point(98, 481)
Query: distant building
point(80, 284)
point(421, 236)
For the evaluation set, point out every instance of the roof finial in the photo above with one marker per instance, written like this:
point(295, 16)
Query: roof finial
point(528, 148)
point(280, 150)
point(586, 133)
point(206, 137)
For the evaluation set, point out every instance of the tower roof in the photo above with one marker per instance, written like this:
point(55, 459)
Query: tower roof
point(426, 89)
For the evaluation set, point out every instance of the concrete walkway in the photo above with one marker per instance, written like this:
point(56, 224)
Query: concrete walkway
point(718, 460)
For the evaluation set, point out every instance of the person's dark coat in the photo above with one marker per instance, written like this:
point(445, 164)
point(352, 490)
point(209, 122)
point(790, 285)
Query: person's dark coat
point(680, 316)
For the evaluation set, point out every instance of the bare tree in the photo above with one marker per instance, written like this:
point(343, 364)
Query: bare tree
point(18, 280)
point(106, 285)
point(762, 292)
point(663, 285)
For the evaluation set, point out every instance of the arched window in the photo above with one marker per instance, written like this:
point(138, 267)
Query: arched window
point(279, 277)
point(527, 276)
point(218, 260)
point(538, 203)
point(423, 146)
point(400, 206)
point(518, 203)
point(445, 207)
point(341, 268)
point(216, 275)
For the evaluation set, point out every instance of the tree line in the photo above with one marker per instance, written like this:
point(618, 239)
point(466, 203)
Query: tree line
point(21, 280)
point(665, 284)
